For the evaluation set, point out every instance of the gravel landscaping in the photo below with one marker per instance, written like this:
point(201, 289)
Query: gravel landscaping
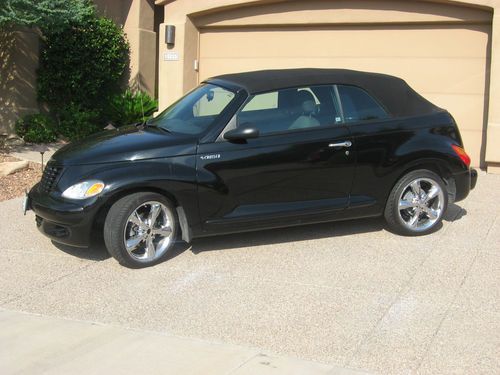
point(15, 184)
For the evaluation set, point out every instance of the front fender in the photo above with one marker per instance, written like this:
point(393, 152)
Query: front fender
point(174, 177)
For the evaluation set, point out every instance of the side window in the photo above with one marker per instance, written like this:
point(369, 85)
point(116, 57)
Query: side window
point(260, 102)
point(213, 102)
point(316, 100)
point(358, 105)
point(290, 109)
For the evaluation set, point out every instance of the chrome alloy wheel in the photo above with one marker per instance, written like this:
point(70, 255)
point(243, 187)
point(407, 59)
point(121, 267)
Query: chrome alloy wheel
point(148, 232)
point(421, 204)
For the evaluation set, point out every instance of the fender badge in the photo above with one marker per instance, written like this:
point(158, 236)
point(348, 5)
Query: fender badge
point(210, 157)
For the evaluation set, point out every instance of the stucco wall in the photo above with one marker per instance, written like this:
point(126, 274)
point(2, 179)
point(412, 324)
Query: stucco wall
point(18, 64)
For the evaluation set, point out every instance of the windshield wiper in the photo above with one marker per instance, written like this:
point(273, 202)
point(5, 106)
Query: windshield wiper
point(146, 124)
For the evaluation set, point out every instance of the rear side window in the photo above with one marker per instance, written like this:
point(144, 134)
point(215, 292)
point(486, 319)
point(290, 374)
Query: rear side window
point(358, 105)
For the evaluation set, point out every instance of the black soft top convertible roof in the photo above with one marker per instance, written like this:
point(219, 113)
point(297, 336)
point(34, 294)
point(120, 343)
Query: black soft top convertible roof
point(394, 93)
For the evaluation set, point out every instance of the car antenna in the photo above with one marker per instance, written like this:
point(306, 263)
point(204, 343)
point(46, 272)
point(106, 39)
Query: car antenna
point(142, 104)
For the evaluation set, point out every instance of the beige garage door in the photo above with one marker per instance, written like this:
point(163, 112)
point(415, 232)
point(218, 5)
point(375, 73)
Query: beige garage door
point(445, 63)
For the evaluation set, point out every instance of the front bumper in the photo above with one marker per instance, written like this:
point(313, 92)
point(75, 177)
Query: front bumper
point(62, 221)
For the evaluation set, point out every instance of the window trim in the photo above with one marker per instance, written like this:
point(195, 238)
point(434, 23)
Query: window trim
point(339, 103)
point(219, 127)
point(221, 138)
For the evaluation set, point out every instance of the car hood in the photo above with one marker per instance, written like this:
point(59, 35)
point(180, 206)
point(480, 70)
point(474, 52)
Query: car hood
point(127, 143)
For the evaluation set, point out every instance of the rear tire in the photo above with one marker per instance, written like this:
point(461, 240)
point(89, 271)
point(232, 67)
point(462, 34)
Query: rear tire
point(140, 229)
point(417, 203)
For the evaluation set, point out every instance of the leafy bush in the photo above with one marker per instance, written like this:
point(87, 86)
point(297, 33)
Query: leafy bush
point(37, 128)
point(45, 14)
point(76, 122)
point(83, 64)
point(82, 67)
point(130, 107)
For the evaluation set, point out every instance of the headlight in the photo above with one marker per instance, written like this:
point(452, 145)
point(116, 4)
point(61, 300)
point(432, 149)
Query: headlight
point(83, 190)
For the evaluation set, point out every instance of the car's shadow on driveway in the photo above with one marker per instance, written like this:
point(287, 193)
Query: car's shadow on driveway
point(97, 251)
point(454, 213)
point(302, 233)
point(289, 234)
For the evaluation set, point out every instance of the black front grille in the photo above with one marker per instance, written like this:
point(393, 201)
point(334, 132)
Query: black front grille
point(50, 176)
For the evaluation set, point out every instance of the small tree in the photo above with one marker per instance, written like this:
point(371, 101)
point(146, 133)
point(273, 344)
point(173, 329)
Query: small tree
point(47, 15)
point(84, 65)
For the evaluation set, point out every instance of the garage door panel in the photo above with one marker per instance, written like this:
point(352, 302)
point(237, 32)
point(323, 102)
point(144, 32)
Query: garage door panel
point(473, 140)
point(442, 41)
point(464, 108)
point(445, 63)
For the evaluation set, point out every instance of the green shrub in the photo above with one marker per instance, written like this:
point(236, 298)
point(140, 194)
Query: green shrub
point(45, 14)
point(83, 64)
point(37, 128)
point(76, 122)
point(130, 107)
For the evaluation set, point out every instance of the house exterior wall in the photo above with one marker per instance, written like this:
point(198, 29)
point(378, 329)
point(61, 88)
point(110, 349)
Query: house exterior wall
point(18, 64)
point(193, 18)
point(137, 19)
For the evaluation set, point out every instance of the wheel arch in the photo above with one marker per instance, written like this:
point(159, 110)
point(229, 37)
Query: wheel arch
point(441, 167)
point(436, 165)
point(100, 217)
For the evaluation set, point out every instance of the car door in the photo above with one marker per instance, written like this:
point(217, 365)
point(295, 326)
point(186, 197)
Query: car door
point(377, 137)
point(299, 169)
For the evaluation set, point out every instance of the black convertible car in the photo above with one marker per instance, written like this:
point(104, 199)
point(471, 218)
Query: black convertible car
point(258, 150)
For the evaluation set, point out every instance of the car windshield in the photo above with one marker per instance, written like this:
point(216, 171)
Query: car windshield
point(195, 112)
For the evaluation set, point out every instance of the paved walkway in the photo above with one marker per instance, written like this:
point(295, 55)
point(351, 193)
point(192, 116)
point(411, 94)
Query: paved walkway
point(33, 344)
point(32, 152)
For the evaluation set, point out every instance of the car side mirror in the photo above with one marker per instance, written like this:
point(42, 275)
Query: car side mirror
point(242, 133)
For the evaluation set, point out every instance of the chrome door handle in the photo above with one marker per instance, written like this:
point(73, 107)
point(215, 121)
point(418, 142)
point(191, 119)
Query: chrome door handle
point(341, 144)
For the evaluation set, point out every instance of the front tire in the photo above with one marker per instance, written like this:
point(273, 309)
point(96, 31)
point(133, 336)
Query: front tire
point(417, 203)
point(140, 229)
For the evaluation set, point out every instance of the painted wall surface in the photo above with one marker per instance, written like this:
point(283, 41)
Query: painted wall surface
point(18, 64)
point(475, 18)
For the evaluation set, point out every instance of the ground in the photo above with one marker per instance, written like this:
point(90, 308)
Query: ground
point(14, 185)
point(349, 294)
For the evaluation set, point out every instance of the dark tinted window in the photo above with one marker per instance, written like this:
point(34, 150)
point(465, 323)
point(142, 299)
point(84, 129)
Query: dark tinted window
point(358, 105)
point(290, 109)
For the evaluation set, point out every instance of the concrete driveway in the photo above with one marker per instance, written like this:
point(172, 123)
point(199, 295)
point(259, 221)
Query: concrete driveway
point(350, 294)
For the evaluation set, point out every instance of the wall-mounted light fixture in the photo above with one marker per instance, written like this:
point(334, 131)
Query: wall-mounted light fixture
point(170, 35)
